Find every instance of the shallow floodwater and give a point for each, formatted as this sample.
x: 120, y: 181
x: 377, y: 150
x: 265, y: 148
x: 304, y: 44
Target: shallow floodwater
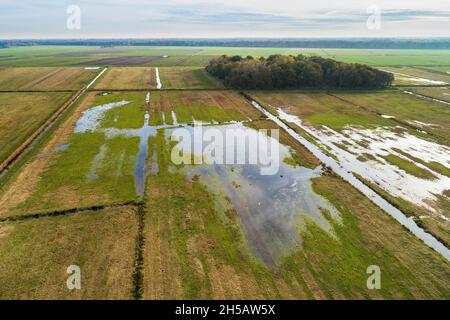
x: 427, y: 98
x: 407, y: 77
x: 382, y: 142
x: 346, y: 174
x: 271, y: 209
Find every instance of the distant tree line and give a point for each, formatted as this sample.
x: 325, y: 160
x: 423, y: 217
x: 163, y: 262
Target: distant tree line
x: 355, y: 43
x: 283, y: 72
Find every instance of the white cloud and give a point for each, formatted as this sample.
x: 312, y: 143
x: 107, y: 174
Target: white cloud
x: 223, y: 18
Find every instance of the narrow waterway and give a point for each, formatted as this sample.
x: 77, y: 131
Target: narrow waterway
x: 426, y: 98
x: 350, y: 178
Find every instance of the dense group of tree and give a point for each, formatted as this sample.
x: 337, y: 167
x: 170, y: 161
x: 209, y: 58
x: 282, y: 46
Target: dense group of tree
x: 356, y: 43
x: 283, y: 72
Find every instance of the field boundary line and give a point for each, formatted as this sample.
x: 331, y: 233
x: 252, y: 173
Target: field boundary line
x: 64, y: 212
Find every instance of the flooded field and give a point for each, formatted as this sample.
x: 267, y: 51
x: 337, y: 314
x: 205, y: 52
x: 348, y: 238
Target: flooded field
x: 365, y: 152
x: 188, y: 78
x: 441, y: 94
x: 27, y: 111
x: 92, y: 169
x: 345, y: 173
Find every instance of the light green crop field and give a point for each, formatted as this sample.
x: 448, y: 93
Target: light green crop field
x: 220, y: 106
x: 127, y: 78
x: 23, y: 113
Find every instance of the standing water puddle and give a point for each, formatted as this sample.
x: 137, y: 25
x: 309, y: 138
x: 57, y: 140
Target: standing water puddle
x: 350, y: 178
x: 271, y: 209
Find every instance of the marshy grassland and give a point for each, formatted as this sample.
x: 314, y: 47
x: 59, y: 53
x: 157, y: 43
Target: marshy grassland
x: 99, y: 189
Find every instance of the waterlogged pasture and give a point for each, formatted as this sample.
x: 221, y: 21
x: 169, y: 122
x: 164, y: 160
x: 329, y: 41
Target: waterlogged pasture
x: 440, y: 93
x: 190, y: 106
x: 91, y: 168
x: 127, y: 78
x: 23, y: 113
x: 417, y: 76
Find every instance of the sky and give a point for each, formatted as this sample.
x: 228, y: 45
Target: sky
x: 223, y: 18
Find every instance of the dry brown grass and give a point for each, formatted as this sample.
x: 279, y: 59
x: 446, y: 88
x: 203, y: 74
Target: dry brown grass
x: 35, y: 254
x: 21, y: 114
x: 128, y: 78
x: 26, y: 180
x: 45, y: 78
